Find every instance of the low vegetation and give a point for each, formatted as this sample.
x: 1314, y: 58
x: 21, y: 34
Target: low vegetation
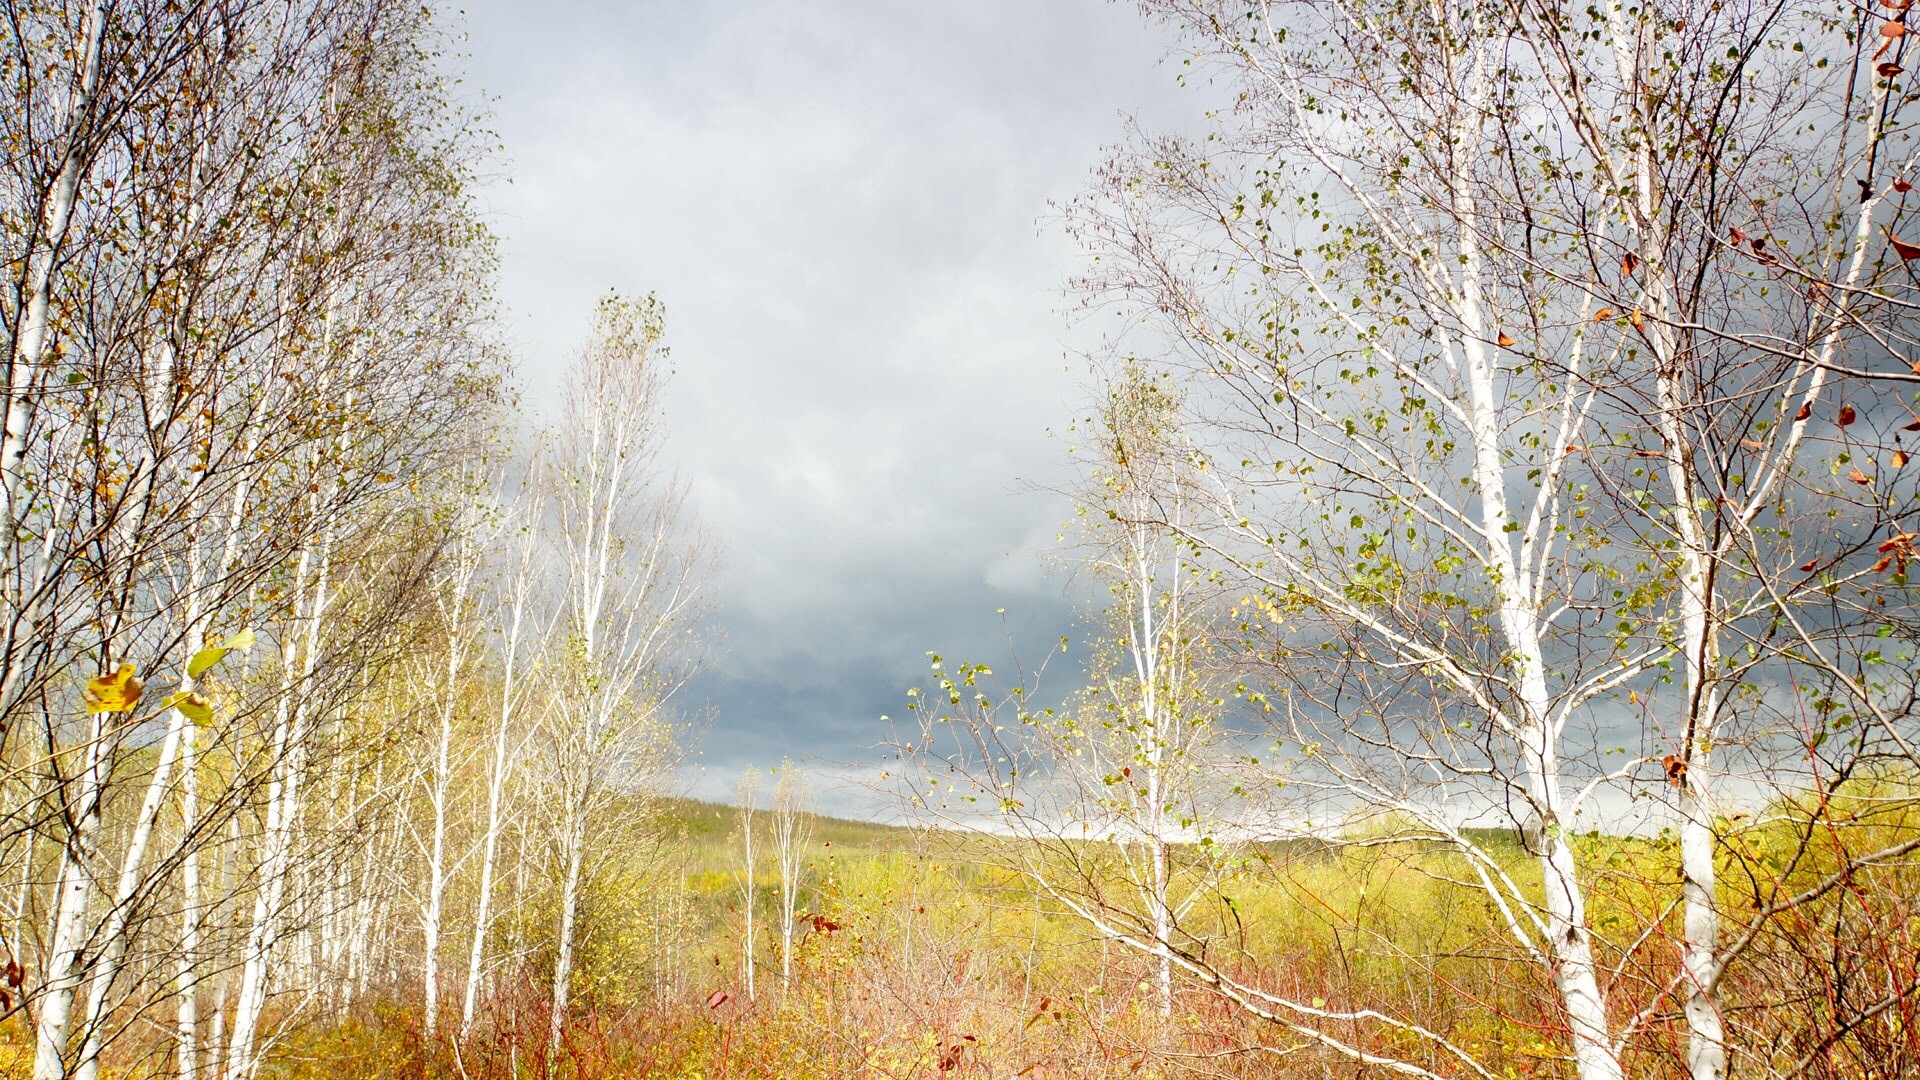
x: 920, y: 954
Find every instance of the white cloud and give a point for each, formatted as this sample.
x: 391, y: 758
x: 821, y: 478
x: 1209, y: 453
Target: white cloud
x: 838, y: 202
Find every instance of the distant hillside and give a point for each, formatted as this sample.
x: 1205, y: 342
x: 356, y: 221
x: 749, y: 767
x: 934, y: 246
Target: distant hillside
x: 712, y: 832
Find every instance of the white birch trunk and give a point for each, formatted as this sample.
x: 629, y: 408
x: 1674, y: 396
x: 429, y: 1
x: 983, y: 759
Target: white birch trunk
x: 262, y: 930
x: 65, y: 960
x: 113, y: 934
x: 187, y: 1024
x: 1574, y: 971
x: 217, y: 1027
x: 30, y: 347
x: 789, y: 891
x: 791, y: 834
x: 569, y: 907
x: 749, y: 791
x: 1147, y: 665
x: 437, y: 848
x: 1699, y: 633
x: 490, y: 842
x: 283, y: 808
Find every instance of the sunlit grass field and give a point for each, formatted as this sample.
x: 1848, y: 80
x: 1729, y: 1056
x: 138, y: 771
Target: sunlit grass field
x: 933, y: 955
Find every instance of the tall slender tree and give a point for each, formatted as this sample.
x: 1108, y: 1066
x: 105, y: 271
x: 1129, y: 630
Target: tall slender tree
x: 746, y: 797
x: 792, y: 828
x: 634, y: 587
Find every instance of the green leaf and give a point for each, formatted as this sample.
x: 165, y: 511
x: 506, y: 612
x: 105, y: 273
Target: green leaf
x: 206, y: 658
x: 203, y: 660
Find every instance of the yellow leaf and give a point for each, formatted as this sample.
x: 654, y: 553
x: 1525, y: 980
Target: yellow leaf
x: 118, y: 692
x: 191, y: 705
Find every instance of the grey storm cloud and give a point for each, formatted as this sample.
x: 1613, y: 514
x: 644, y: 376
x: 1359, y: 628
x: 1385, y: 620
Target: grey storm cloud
x: 844, y: 207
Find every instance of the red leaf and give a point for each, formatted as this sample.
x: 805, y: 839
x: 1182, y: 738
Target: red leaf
x: 1629, y: 264
x: 1603, y: 314
x: 1736, y: 235
x: 1806, y: 410
x: 1892, y: 29
x: 718, y: 998
x: 1858, y: 477
x: 1902, y: 186
x: 1887, y: 69
x: 1808, y: 568
x: 1846, y: 415
x: 1915, y: 426
x: 1884, y: 562
x: 1505, y: 340
x: 1899, y: 459
x: 1907, y: 252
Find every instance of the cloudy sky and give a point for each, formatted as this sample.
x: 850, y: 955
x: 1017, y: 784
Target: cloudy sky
x: 844, y: 205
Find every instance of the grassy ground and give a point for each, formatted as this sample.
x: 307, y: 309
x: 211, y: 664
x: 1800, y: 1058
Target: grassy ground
x: 934, y: 957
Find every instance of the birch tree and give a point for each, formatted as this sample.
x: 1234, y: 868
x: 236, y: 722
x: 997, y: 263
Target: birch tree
x: 1745, y: 340
x: 456, y: 599
x: 1446, y: 284
x: 792, y: 829
x: 1141, y: 757
x: 633, y: 571
x: 213, y: 395
x: 1390, y: 478
x: 747, y: 795
x: 521, y: 626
